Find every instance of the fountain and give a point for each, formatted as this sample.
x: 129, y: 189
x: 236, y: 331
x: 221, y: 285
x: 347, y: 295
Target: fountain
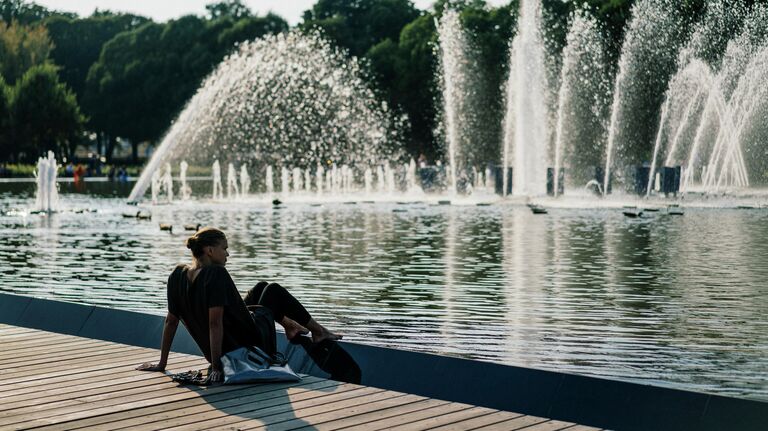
x: 582, y: 102
x: 167, y: 182
x: 185, y: 189
x: 270, y: 181
x: 526, y: 120
x: 47, y: 199
x: 218, y: 190
x: 232, y: 188
x: 284, y: 100
x: 245, y: 182
x: 651, y: 43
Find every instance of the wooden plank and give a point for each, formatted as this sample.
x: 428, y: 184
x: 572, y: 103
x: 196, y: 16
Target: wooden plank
x: 44, y: 392
x: 480, y: 421
x: 583, y: 428
x: 251, y: 397
x: 104, y: 361
x: 48, y: 349
x: 321, y: 421
x: 433, y: 422
x: 550, y: 425
x: 52, y: 395
x: 72, y: 369
x: 390, y: 422
x: 302, y: 415
x: 15, y: 330
x: 284, y: 409
x: 515, y: 424
x: 171, y: 408
x: 79, y: 356
x: 108, y: 403
x: 66, y: 379
x: 377, y: 415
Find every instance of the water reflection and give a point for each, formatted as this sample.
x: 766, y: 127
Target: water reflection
x: 677, y: 301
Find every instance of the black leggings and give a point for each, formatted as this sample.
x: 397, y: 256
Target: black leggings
x: 279, y: 301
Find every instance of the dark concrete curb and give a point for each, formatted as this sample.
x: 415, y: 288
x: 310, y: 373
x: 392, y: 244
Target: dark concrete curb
x: 585, y: 400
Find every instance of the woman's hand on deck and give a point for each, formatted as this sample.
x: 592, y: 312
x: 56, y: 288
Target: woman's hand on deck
x: 147, y: 366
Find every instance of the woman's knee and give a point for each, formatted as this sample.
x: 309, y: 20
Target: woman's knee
x: 253, y: 295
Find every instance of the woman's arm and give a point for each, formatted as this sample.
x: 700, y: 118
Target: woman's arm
x: 169, y: 331
x: 216, y: 334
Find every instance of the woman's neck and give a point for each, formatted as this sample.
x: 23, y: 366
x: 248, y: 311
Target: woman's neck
x: 199, y: 262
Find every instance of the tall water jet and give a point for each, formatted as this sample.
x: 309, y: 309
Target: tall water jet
x: 155, y: 191
x: 285, y: 181
x: 583, y: 102
x: 284, y: 100
x: 298, y: 178
x: 218, y: 190
x: 245, y: 182
x: 526, y: 118
x: 185, y: 189
x: 167, y: 182
x: 47, y: 198
x: 368, y: 180
x: 651, y: 43
x: 307, y: 180
x: 319, y: 178
x: 270, y: 180
x: 455, y: 61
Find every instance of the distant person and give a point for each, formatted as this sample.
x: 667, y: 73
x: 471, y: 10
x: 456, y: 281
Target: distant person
x: 111, y: 173
x: 69, y: 170
x: 422, y: 160
x: 203, y: 296
x: 122, y: 174
x: 79, y: 172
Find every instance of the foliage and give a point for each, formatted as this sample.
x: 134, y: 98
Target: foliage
x: 44, y: 113
x: 5, y: 119
x: 358, y: 25
x: 78, y: 42
x: 25, y: 13
x: 234, y: 9
x: 22, y: 47
x: 144, y: 77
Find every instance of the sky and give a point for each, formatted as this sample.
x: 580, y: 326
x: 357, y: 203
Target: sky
x: 162, y: 10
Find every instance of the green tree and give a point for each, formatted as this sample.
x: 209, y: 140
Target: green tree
x: 405, y: 72
x: 250, y: 28
x: 359, y: 25
x: 45, y: 115
x: 5, y: 121
x: 144, y: 77
x: 25, y: 13
x: 229, y: 8
x: 78, y: 42
x: 22, y: 47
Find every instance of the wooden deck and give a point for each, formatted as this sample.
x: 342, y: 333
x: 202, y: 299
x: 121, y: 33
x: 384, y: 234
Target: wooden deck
x: 51, y: 381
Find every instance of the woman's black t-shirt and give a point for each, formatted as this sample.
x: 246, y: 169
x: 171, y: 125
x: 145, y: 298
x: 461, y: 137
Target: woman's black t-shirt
x: 213, y: 287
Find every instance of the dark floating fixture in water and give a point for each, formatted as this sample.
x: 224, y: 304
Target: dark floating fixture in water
x: 350, y: 203
x: 633, y: 214
x: 166, y: 227
x: 276, y: 202
x: 443, y: 202
x: 537, y: 209
x: 143, y: 216
x: 651, y: 210
x: 483, y: 204
x: 193, y: 227
x: 675, y: 210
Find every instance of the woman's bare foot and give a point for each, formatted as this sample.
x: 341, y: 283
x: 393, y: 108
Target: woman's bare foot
x: 292, y: 328
x: 321, y: 333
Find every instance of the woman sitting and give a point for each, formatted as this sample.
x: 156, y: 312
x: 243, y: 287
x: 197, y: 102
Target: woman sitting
x: 203, y: 296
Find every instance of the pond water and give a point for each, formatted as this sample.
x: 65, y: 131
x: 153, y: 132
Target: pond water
x: 678, y: 301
